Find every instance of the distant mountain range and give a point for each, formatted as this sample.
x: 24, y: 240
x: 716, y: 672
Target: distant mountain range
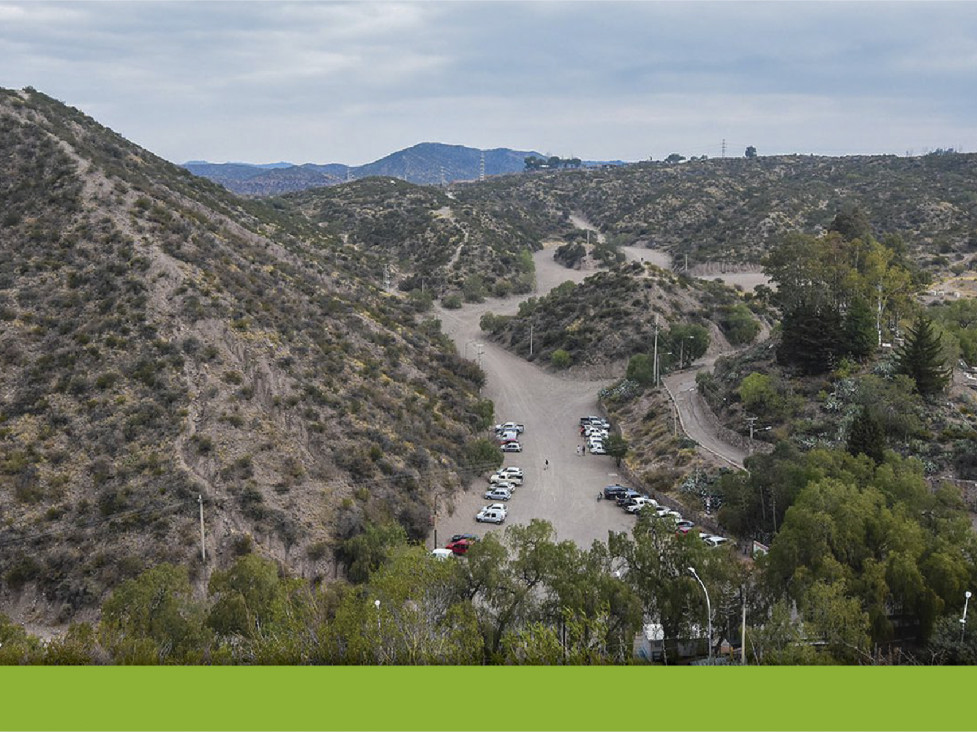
x: 428, y: 163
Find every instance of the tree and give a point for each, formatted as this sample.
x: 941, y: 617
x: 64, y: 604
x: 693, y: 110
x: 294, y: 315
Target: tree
x: 921, y: 358
x: 851, y: 223
x: 617, y: 448
x: 154, y: 619
x: 866, y: 436
x: 738, y: 324
x: 641, y: 369
x: 750, y: 151
x: 811, y: 336
x: 674, y: 158
x: 686, y: 342
x: 859, y: 328
x: 246, y: 595
x: 758, y: 394
x: 365, y: 553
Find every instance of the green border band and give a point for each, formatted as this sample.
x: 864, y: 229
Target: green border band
x: 479, y: 698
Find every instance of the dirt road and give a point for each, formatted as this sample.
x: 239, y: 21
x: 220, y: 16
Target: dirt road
x: 549, y: 405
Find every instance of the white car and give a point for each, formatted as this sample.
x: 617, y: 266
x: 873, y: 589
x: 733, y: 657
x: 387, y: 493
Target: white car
x: 498, y: 494
x: 500, y: 477
x: 496, y: 507
x: 509, y: 427
x: 441, y: 553
x: 511, y: 447
x: 508, y: 436
x: 511, y: 470
x: 713, y: 541
x: 666, y: 512
x: 489, y: 516
x: 639, y: 503
x: 596, y: 448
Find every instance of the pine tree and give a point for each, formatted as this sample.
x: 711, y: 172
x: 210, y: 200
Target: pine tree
x: 921, y: 358
x: 812, y: 338
x: 867, y: 436
x: 860, y: 333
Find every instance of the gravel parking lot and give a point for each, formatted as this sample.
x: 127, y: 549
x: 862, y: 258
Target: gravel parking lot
x: 550, y: 406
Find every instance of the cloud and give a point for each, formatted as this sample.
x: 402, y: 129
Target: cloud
x: 353, y: 81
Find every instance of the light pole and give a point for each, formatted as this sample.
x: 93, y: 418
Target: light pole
x: 376, y: 604
x: 963, y: 620
x: 708, y: 611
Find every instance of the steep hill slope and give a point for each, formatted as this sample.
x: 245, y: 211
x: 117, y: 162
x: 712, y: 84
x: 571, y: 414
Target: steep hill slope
x: 430, y: 241
x: 161, y: 340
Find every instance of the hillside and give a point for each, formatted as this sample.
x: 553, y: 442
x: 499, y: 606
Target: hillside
x: 163, y: 339
x: 732, y: 210
x: 432, y: 244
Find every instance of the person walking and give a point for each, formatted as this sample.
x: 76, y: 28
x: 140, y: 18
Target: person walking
x: 546, y: 465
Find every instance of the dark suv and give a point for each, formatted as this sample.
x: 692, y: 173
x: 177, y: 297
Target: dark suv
x: 613, y: 491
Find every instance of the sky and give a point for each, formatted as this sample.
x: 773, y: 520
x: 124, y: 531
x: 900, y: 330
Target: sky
x: 350, y: 82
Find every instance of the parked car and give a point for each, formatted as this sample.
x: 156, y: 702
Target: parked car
x: 501, y: 507
x: 458, y: 537
x: 624, y: 498
x: 490, y: 516
x: 666, y: 512
x: 442, y: 553
x: 510, y: 426
x: 684, y: 526
x: 613, y: 491
x: 511, y: 447
x: 714, y: 541
x: 500, y: 477
x: 507, y: 484
x: 498, y: 494
x: 636, y: 504
x: 508, y: 436
x: 597, y: 448
x: 458, y: 547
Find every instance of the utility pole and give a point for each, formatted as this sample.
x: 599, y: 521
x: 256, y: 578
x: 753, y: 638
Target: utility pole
x: 203, y: 545
x: 708, y: 612
x: 752, y: 421
x: 724, y: 148
x: 743, y: 629
x: 481, y: 167
x: 656, y: 351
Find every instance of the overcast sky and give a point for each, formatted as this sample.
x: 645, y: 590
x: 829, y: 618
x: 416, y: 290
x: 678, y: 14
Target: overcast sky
x: 350, y: 82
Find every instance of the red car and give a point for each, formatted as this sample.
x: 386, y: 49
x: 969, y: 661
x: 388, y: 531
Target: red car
x: 459, y: 547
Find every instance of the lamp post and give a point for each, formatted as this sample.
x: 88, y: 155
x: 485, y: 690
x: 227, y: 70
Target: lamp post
x: 376, y: 604
x: 963, y: 620
x: 708, y: 612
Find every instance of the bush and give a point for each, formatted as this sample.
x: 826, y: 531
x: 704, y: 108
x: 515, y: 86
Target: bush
x: 560, y: 359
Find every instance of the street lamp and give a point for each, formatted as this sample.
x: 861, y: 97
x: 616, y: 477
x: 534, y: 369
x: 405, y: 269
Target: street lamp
x: 963, y: 620
x: 708, y: 611
x: 376, y: 604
